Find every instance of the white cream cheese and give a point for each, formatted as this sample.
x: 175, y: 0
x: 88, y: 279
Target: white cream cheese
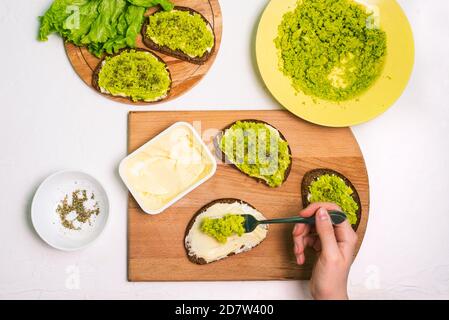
x: 166, y: 167
x: 206, y: 247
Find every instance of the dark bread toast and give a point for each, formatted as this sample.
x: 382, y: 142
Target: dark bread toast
x: 221, y: 155
x: 177, y: 53
x: 192, y: 257
x: 312, y: 175
x: 95, y: 75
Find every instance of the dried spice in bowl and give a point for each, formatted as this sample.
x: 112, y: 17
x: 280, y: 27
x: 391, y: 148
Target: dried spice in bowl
x: 78, y: 210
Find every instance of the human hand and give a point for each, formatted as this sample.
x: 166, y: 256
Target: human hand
x: 336, y: 246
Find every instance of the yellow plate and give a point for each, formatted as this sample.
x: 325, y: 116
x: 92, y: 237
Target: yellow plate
x: 384, y: 92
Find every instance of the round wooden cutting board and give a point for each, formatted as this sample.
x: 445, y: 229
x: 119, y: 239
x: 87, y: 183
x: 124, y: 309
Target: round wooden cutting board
x: 185, y: 75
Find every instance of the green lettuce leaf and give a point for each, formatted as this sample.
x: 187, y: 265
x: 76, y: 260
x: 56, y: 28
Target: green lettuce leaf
x: 128, y: 27
x: 134, y: 19
x: 100, y: 25
x: 165, y: 4
x: 78, y: 29
x: 104, y: 26
x: 55, y: 17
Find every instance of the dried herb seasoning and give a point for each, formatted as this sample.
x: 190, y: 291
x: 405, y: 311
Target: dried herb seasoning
x: 75, y: 212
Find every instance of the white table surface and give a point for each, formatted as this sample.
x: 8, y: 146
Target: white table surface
x: 50, y: 120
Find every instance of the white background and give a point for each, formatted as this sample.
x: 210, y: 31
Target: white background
x: 50, y: 120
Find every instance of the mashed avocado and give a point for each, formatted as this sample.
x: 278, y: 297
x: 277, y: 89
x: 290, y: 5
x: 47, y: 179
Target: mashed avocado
x: 330, y: 188
x: 181, y: 30
x: 222, y: 228
x: 329, y: 49
x: 257, y: 150
x: 138, y: 75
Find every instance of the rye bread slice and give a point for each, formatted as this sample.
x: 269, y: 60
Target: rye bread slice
x: 222, y: 156
x: 192, y: 257
x: 313, y: 175
x: 177, y: 53
x: 95, y: 75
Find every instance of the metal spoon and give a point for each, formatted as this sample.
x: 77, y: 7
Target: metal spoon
x: 251, y: 223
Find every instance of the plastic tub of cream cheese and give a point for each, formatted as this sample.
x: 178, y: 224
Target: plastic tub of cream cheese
x: 167, y: 167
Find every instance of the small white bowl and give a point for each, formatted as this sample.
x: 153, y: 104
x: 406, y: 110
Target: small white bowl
x: 46, y: 220
x: 205, y: 149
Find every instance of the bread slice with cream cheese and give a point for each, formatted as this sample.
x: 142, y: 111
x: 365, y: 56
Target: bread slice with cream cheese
x: 203, y: 249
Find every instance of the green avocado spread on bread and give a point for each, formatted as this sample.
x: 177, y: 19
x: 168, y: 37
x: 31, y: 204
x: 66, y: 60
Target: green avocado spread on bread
x: 222, y: 228
x: 181, y: 31
x: 331, y: 49
x: 330, y: 188
x: 138, y: 75
x: 258, y: 150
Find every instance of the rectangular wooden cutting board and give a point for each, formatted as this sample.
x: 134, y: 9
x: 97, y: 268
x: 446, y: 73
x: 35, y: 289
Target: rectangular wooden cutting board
x: 156, y: 243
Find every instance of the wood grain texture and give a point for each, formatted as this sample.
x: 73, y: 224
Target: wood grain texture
x: 156, y: 243
x: 185, y: 75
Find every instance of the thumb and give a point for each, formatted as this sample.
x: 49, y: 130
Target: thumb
x: 326, y: 233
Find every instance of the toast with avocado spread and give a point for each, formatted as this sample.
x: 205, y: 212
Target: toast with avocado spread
x: 202, y: 248
x: 257, y: 149
x: 136, y: 74
x: 326, y: 185
x: 182, y: 33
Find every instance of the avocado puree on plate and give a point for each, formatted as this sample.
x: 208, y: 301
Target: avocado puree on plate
x: 331, y: 49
